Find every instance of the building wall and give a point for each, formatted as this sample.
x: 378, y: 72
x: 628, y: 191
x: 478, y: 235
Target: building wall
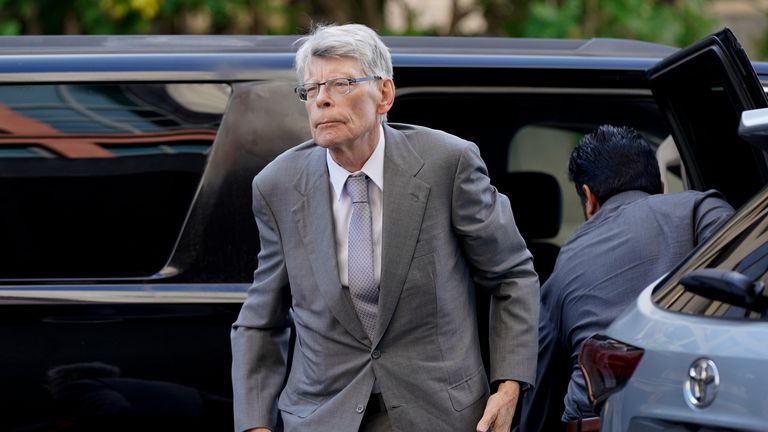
x: 747, y: 19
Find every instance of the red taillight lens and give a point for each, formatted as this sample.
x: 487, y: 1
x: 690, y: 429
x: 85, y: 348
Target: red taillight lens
x: 607, y: 365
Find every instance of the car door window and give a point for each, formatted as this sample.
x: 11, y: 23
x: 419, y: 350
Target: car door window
x: 522, y: 130
x: 741, y: 246
x: 702, y: 90
x: 97, y: 179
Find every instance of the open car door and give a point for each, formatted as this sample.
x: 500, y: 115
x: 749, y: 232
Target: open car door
x: 703, y: 89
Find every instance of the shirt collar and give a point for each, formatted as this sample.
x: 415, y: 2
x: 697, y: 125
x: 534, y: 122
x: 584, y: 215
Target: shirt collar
x: 373, y: 168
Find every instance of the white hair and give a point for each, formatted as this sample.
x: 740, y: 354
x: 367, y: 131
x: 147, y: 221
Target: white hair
x: 355, y: 41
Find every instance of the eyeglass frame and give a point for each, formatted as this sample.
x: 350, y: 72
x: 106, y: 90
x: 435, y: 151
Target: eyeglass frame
x: 349, y: 81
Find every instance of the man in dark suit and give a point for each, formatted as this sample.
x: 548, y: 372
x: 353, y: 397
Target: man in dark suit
x: 373, y: 239
x: 633, y: 235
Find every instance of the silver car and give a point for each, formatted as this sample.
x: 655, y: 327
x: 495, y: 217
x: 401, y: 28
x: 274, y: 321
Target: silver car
x: 691, y: 354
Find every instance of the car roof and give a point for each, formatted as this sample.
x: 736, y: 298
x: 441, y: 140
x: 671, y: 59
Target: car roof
x: 158, y: 44
x: 239, y: 53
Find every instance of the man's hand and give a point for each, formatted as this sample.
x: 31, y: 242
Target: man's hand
x: 259, y: 430
x: 500, y: 408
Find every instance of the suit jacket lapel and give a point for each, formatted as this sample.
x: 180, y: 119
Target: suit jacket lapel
x: 314, y: 218
x: 405, y: 200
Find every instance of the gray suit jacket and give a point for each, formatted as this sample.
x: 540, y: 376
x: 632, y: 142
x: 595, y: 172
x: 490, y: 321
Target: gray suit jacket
x: 445, y: 229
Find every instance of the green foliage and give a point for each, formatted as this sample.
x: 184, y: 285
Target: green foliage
x: 116, y: 16
x: 8, y: 27
x: 674, y: 22
x: 147, y: 16
x: 671, y: 22
x: 77, y: 16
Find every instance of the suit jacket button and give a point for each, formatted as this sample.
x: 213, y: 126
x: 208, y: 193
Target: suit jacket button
x: 376, y: 354
x: 360, y: 408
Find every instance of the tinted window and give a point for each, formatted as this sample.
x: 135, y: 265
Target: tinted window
x: 741, y: 246
x: 96, y: 180
x: 524, y: 131
x: 547, y: 150
x: 704, y: 105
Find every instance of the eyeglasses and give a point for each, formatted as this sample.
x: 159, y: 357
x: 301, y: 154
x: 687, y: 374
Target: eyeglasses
x: 337, y: 86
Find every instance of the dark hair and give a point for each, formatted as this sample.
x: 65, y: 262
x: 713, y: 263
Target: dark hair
x: 614, y: 159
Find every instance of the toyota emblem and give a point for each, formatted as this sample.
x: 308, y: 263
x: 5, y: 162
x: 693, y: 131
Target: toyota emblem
x: 702, y: 383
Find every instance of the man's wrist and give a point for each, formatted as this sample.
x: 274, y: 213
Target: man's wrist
x: 521, y: 386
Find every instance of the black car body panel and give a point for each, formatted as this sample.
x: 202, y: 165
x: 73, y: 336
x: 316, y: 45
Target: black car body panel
x: 129, y: 240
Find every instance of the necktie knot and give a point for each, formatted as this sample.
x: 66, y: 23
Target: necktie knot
x: 357, y: 187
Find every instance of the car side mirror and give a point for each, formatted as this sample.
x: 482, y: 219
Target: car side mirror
x: 726, y: 286
x: 753, y: 127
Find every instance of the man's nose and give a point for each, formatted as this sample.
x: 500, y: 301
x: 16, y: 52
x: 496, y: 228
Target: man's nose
x: 323, y: 96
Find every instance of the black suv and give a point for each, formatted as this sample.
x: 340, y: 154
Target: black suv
x: 125, y: 170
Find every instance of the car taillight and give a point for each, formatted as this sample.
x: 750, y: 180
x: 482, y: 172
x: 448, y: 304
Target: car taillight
x: 607, y: 365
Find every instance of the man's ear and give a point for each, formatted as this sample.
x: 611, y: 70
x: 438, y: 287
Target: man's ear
x: 387, y: 96
x: 591, y: 206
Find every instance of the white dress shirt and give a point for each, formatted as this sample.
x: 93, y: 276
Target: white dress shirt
x: 342, y: 206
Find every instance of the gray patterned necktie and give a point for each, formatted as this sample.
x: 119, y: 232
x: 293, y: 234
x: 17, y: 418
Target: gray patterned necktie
x: 362, y: 281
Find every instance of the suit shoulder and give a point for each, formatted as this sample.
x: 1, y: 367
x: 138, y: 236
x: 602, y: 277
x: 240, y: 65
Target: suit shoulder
x: 684, y: 205
x: 692, y: 197
x: 286, y: 164
x: 425, y: 139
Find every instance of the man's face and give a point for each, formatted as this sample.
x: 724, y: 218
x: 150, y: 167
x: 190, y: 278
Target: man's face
x: 342, y: 120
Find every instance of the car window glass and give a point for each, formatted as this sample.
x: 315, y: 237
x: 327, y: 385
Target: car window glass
x: 670, y: 166
x: 548, y: 149
x: 96, y: 180
x: 705, y: 106
x: 520, y: 131
x: 740, y: 246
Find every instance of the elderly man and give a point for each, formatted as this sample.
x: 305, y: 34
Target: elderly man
x: 373, y: 239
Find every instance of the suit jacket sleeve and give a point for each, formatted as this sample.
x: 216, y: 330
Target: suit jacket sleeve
x: 711, y: 212
x: 482, y: 218
x: 260, y: 334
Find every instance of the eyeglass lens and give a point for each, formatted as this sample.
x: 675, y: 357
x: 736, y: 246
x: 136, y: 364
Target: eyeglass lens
x: 339, y: 86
